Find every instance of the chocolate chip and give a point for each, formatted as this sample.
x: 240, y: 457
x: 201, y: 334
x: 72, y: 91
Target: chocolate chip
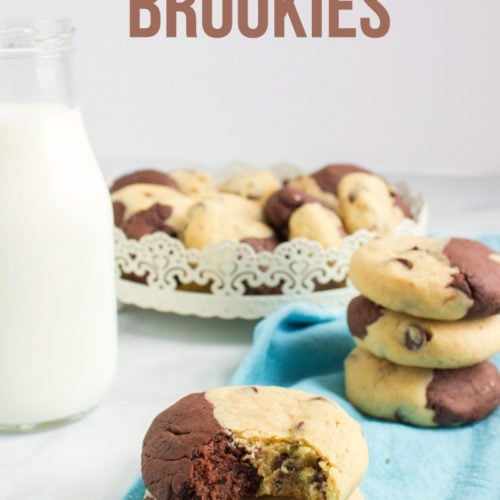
x: 318, y: 398
x: 398, y: 416
x: 300, y: 425
x: 407, y: 263
x: 416, y: 337
x: 352, y: 197
x: 278, y: 461
x: 254, y: 389
x: 319, y: 475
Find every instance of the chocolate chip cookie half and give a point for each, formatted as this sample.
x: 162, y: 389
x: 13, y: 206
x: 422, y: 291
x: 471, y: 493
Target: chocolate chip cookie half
x: 236, y: 442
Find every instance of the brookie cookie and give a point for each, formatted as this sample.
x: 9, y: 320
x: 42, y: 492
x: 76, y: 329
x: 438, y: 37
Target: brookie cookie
x: 256, y: 185
x: 367, y: 202
x: 235, y: 442
x: 295, y: 214
x: 212, y: 220
x: 363, y: 199
x: 141, y: 208
x: 411, y: 341
x: 323, y: 184
x: 421, y: 396
x: 435, y: 278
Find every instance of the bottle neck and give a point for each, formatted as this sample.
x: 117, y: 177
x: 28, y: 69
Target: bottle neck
x: 37, y: 79
x: 36, y: 61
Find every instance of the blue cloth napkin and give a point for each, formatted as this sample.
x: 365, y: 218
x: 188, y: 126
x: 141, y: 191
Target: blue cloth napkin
x: 304, y: 347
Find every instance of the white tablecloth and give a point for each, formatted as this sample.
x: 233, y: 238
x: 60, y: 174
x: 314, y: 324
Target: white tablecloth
x: 163, y: 357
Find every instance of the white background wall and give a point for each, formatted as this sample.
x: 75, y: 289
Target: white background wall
x: 427, y: 96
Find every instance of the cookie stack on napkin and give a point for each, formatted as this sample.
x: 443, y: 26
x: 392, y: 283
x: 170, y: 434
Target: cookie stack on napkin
x: 425, y: 326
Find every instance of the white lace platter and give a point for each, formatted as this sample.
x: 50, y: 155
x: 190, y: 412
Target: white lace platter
x: 168, y: 277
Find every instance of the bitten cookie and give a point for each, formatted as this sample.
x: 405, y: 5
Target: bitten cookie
x: 216, y: 218
x: 363, y: 199
x: 411, y: 341
x: 257, y: 185
x: 234, y: 442
x: 295, y: 214
x: 435, y: 278
x: 421, y: 396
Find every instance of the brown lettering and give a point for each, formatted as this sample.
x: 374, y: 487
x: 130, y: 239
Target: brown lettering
x: 335, y: 30
x: 317, y: 18
x: 383, y: 15
x: 135, y: 18
x: 283, y: 9
x: 227, y: 19
x: 186, y: 7
x: 262, y: 19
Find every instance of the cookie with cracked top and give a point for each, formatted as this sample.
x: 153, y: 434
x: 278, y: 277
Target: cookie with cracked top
x: 436, y: 278
x: 235, y: 442
x: 411, y: 341
x: 421, y: 396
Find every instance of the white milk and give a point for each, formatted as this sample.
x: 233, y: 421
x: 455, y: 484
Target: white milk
x: 57, y: 300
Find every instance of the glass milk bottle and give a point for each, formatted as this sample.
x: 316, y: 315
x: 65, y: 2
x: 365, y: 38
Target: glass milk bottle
x: 57, y: 298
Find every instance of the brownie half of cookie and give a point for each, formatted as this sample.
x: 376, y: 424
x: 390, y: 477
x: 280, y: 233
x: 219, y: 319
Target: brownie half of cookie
x: 421, y: 396
x: 282, y: 204
x: 147, y: 176
x: 143, y: 222
x: 478, y: 275
x: 329, y: 177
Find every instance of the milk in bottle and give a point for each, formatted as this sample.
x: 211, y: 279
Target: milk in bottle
x: 57, y: 300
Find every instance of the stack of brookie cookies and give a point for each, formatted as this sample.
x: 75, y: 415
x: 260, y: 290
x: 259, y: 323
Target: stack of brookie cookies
x: 425, y: 326
x: 253, y: 441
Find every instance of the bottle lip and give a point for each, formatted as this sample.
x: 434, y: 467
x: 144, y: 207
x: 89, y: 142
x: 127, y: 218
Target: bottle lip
x: 35, y: 36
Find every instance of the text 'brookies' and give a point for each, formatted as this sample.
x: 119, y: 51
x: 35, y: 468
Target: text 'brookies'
x: 256, y: 18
